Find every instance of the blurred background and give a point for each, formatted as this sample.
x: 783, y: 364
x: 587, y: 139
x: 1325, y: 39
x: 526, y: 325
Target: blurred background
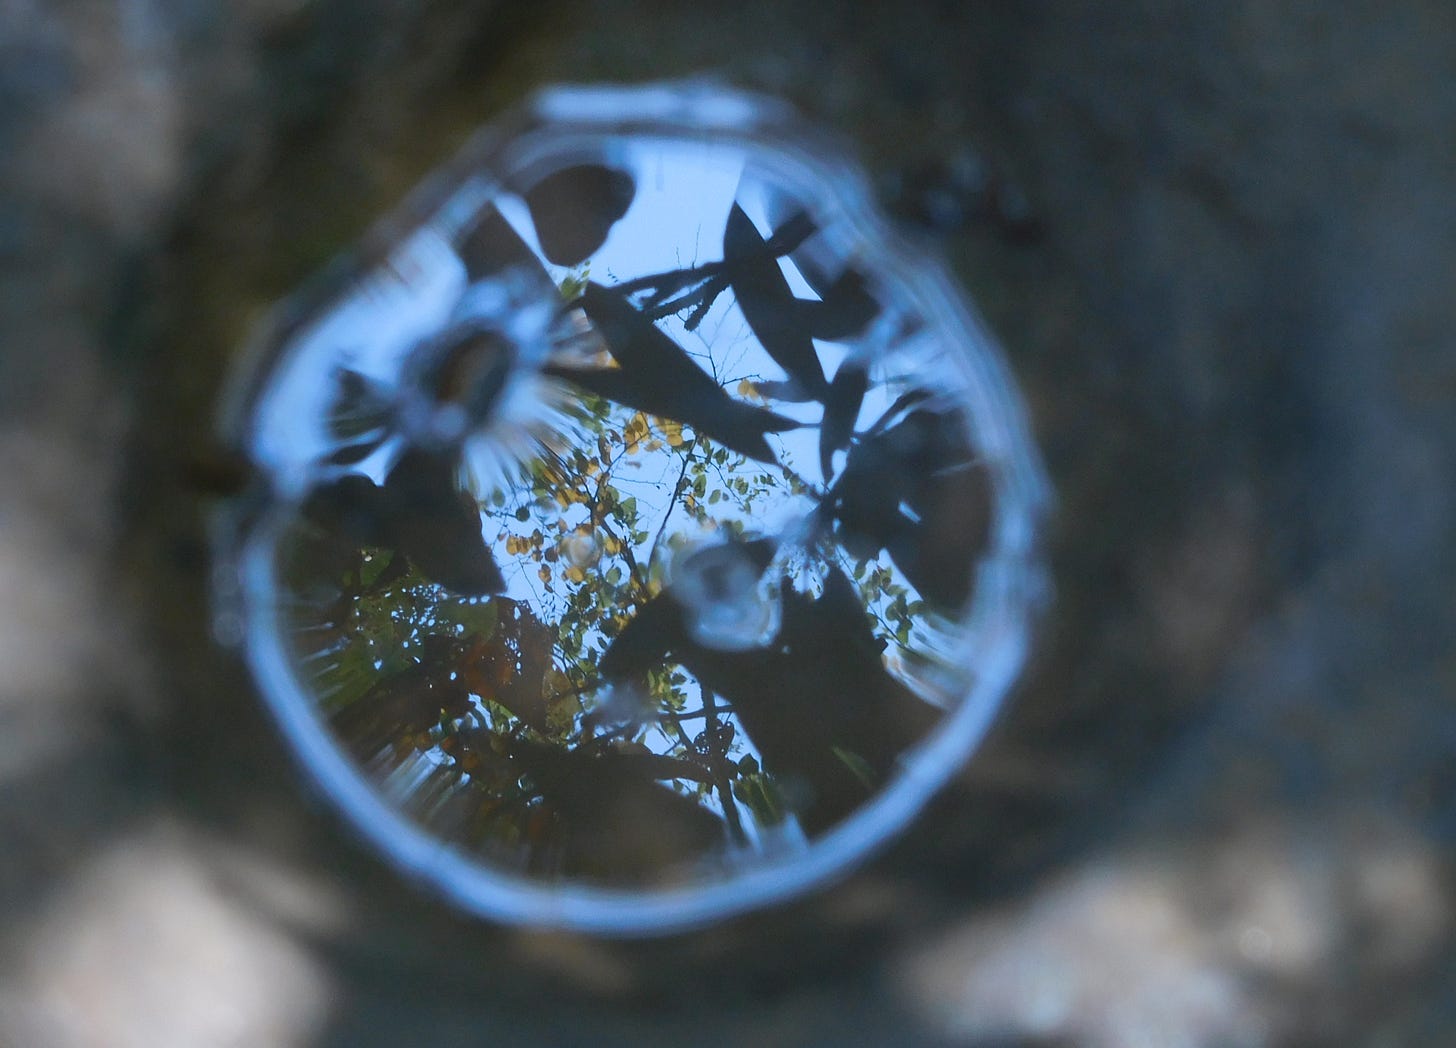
x: 1219, y: 244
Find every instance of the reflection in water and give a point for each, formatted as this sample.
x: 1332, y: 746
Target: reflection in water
x: 640, y: 528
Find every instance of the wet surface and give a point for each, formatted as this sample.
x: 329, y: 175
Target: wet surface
x: 1220, y: 808
x: 643, y: 535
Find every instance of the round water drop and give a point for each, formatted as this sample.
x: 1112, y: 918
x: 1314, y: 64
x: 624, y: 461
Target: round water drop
x: 726, y: 600
x: 649, y: 531
x: 582, y: 550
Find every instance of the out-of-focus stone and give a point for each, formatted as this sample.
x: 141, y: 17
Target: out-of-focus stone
x: 145, y: 947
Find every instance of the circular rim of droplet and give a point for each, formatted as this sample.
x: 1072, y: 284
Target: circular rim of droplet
x: 1011, y: 583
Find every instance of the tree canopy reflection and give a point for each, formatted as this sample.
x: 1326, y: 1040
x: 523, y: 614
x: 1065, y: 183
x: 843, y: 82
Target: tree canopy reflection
x: 664, y: 591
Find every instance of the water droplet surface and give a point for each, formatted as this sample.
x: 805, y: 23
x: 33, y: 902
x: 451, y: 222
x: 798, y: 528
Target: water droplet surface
x: 646, y: 532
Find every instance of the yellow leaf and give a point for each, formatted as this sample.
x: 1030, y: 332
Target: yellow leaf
x: 545, y: 573
x: 634, y: 432
x: 575, y: 574
x: 747, y: 389
x: 672, y: 431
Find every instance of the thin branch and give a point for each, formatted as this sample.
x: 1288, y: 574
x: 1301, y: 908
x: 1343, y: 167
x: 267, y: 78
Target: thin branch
x: 598, y: 518
x: 720, y: 778
x: 730, y: 810
x: 789, y: 236
x: 695, y: 714
x: 677, y: 490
